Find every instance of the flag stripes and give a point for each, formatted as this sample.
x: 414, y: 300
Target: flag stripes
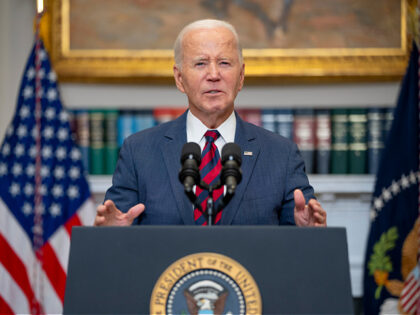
x: 18, y: 261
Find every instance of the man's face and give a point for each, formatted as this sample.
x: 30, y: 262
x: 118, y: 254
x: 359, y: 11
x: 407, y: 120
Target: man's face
x: 211, y: 73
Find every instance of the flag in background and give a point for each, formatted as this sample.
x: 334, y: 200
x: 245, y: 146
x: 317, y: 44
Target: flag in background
x: 43, y: 193
x: 391, y: 268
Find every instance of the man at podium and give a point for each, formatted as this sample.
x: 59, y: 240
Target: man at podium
x: 273, y: 189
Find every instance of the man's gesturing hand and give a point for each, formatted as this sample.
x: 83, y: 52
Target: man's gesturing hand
x: 108, y: 214
x: 310, y: 214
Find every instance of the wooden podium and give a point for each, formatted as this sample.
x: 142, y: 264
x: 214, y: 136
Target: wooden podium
x: 144, y: 269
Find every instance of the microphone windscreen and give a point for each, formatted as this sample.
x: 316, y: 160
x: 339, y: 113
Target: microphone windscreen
x: 231, y: 150
x: 191, y: 148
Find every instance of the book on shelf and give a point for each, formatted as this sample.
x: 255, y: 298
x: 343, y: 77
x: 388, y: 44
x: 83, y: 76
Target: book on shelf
x: 322, y: 141
x: 268, y: 119
x: 124, y: 126
x: 143, y: 119
x: 97, y: 145
x: 304, y: 136
x: 375, y: 142
x: 284, y: 122
x: 81, y: 125
x: 357, y: 140
x: 339, y: 141
x: 252, y: 116
x: 111, y: 141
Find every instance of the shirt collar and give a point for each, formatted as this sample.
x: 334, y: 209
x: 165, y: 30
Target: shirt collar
x: 196, y: 129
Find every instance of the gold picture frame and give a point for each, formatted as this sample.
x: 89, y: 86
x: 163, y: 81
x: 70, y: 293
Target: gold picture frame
x: 262, y: 65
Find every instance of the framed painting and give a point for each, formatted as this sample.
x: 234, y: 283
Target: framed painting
x: 282, y: 40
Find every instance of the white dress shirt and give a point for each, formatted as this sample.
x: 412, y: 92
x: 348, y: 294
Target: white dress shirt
x: 196, y: 130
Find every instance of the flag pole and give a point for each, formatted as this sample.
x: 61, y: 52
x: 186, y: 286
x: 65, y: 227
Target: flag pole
x: 38, y: 239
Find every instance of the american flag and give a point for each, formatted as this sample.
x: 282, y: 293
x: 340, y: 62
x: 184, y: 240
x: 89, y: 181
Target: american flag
x: 43, y: 193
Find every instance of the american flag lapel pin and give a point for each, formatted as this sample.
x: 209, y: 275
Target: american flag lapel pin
x: 248, y: 153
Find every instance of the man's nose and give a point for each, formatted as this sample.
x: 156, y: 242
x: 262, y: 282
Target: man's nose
x: 213, y: 72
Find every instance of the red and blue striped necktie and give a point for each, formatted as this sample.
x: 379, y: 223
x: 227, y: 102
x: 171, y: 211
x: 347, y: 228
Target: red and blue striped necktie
x: 210, y: 168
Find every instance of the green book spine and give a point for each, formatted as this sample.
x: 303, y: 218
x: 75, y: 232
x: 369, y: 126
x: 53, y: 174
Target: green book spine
x: 97, y: 146
x: 357, y: 141
x: 111, y: 141
x: 339, y: 141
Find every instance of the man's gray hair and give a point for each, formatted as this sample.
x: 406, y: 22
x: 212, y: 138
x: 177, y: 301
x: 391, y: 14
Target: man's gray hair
x: 206, y: 24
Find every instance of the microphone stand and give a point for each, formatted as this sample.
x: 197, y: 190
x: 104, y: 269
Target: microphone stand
x: 211, y: 211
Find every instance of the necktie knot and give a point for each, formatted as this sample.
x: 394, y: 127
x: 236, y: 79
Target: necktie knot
x: 211, y: 135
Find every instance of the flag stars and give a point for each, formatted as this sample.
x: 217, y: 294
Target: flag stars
x: 75, y: 154
x: 28, y: 92
x: 60, y: 153
x: 30, y: 74
x: 17, y: 169
x: 64, y: 116
x: 404, y: 182
x: 14, y: 189
x: 22, y: 131
x: 59, y: 172
x: 28, y: 190
x: 45, y: 171
x: 378, y: 203
x: 34, y: 132
x: 27, y: 209
x: 24, y: 112
x: 395, y: 188
x: 48, y: 133
x: 40, y: 93
x: 41, y: 73
x: 32, y: 151
x: 6, y: 149
x: 47, y: 152
x: 73, y: 192
x: 43, y: 190
x: 386, y: 194
x: 373, y: 214
x: 30, y: 170
x: 57, y: 191
x: 413, y: 177
x: 62, y: 134
x: 19, y: 150
x: 42, y: 54
x: 3, y: 169
x: 74, y: 172
x: 50, y: 112
x: 52, y: 94
x: 55, y: 210
x: 9, y: 131
x: 52, y: 76
x: 40, y: 209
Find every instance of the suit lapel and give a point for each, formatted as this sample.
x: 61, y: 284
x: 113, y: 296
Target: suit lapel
x: 174, y: 138
x: 246, y: 139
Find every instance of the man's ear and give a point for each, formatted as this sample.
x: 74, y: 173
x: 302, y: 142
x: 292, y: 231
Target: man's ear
x: 242, y: 77
x: 178, y: 79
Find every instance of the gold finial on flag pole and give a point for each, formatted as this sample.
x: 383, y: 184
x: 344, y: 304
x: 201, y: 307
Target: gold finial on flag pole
x: 39, y: 6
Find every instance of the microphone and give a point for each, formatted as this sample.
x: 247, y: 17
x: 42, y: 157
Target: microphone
x: 189, y: 175
x: 231, y: 174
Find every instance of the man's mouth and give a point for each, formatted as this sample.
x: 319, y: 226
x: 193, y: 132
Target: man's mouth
x: 213, y: 91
